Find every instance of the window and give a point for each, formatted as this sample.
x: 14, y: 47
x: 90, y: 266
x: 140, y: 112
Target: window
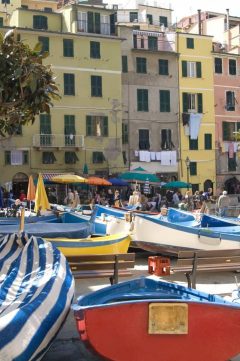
x: 48, y: 10
x: 45, y: 130
x: 230, y: 101
x: 229, y: 129
x: 164, y: 96
x: 48, y: 158
x: 44, y: 40
x: 96, y: 86
x: 133, y: 17
x: 124, y: 133
x: 5, y: 1
x: 190, y: 43
x: 207, y: 141
x: 193, y: 144
x: 124, y: 64
x: 68, y: 49
x: 69, y: 130
x: 24, y: 7
x: 93, y: 22
x: 69, y: 84
x: 142, y: 100
x: 232, y: 164
x: 96, y: 126
x: 150, y: 19
x: 152, y: 43
x: 193, y: 168
x: 141, y: 65
x: 1, y: 22
x: 40, y: 22
x: 218, y: 65
x: 144, y: 143
x: 191, y: 69
x: 98, y: 157
x: 95, y: 50
x: 16, y: 157
x: 135, y: 41
x: 166, y: 139
x: 163, y: 66
x: 232, y: 67
x: 163, y: 20
x: 192, y: 102
x: 71, y: 158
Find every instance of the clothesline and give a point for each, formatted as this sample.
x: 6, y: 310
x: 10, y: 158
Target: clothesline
x: 165, y: 157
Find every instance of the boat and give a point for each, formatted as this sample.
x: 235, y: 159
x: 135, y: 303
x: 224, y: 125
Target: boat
x: 182, y: 230
x: 36, y: 291
x: 30, y: 219
x: 149, y: 319
x: 113, y: 244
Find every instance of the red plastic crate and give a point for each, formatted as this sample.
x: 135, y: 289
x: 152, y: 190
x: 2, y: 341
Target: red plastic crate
x: 159, y: 266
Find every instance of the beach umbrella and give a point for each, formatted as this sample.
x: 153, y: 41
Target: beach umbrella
x: 68, y: 178
x: 41, y: 199
x: 146, y: 187
x: 118, y: 182
x: 31, y: 192
x: 177, y: 184
x: 97, y: 181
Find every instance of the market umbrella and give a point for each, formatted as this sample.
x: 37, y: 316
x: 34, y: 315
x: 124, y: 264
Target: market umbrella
x: 31, y: 192
x: 68, y: 178
x: 139, y: 175
x: 41, y: 199
x: 97, y: 181
x: 177, y: 184
x: 118, y: 182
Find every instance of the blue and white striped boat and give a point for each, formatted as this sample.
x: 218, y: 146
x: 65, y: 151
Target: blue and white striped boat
x: 36, y: 291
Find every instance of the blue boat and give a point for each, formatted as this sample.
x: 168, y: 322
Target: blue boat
x: 149, y: 319
x: 36, y: 291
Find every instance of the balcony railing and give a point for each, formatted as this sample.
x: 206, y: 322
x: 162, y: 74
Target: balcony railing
x: 102, y: 28
x: 58, y: 141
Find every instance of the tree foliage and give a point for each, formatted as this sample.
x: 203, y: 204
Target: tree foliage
x: 27, y: 87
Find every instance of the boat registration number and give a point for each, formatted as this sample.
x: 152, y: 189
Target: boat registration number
x: 168, y: 318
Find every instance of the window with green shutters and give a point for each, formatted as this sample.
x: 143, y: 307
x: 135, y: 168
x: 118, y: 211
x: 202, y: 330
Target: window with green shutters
x: 190, y: 43
x: 40, y: 22
x: 71, y: 158
x: 124, y: 64
x: 94, y: 25
x: 191, y: 69
x: 135, y: 41
x: 152, y: 43
x: 96, y: 86
x: 141, y: 65
x: 95, y: 50
x: 199, y: 103
x: 45, y: 130
x: 150, y: 19
x: 193, y: 168
x: 1, y: 22
x: 68, y: 48
x: 229, y: 129
x: 48, y: 158
x: 98, y: 157
x: 232, y: 67
x: 207, y: 141
x: 69, y: 129
x: 133, y: 17
x: 25, y: 157
x: 230, y: 101
x: 193, y: 144
x: 44, y: 40
x: 164, y: 96
x: 163, y: 20
x: 69, y: 84
x: 142, y: 100
x: 144, y: 143
x: 163, y: 66
x: 192, y: 101
x: 124, y: 133
x: 96, y: 126
x: 218, y: 65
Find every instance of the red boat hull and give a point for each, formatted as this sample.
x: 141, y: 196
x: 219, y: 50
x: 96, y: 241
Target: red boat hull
x: 119, y: 332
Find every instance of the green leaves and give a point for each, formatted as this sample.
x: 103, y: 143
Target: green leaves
x: 27, y: 87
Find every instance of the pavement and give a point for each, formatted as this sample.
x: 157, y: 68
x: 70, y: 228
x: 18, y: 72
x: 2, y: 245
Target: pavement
x: 68, y: 346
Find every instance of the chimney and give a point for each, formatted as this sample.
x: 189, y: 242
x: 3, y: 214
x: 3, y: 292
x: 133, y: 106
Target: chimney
x: 199, y: 23
x: 227, y: 10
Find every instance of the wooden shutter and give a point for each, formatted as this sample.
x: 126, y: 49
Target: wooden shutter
x: 185, y: 102
x: 200, y: 102
x: 184, y: 68
x: 89, y: 126
x: 199, y: 69
x: 90, y: 22
x: 105, y: 126
x: 97, y: 23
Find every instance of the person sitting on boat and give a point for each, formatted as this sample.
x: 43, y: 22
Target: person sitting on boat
x: 117, y: 200
x: 69, y: 199
x: 76, y: 199
x: 223, y: 204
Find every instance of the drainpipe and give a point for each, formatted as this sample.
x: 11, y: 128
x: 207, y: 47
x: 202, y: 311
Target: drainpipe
x: 199, y: 23
x: 228, y: 31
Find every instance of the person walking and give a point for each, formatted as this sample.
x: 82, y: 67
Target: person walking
x: 223, y: 204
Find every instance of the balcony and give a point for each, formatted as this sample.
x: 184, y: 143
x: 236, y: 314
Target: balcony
x: 49, y: 141
x: 153, y: 41
x: 102, y: 28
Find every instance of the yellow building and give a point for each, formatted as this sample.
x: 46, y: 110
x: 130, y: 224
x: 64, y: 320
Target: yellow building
x: 85, y: 126
x: 196, y: 111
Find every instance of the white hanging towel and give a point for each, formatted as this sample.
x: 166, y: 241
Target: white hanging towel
x: 173, y: 157
x: 158, y: 156
x: 142, y: 155
x: 153, y: 155
x: 194, y: 125
x: 186, y: 130
x: 147, y: 156
x: 165, y: 158
x: 136, y: 152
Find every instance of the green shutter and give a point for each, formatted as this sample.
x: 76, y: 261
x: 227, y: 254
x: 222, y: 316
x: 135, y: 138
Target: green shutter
x: 164, y: 101
x: 25, y: 157
x: 69, y: 124
x: 89, y: 127
x: 45, y: 124
x: 200, y: 102
x: 1, y: 22
x: 97, y: 23
x: 68, y: 48
x: 208, y: 141
x: 142, y: 100
x: 124, y: 64
x: 7, y: 157
x: 199, y: 69
x: 105, y: 126
x: 193, y: 168
x: 185, y: 102
x: 90, y: 21
x: 184, y: 68
x: 45, y: 43
x: 190, y: 43
x: 193, y: 144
